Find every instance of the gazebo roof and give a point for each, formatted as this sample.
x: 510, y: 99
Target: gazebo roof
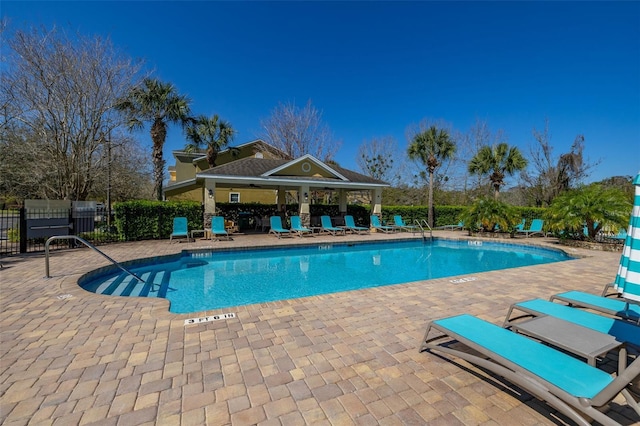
x: 273, y: 173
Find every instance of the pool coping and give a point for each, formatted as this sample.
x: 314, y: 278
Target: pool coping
x: 160, y: 307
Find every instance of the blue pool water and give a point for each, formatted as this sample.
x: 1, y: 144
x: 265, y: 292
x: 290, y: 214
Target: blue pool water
x: 198, y: 281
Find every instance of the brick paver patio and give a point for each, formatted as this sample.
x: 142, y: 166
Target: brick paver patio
x: 73, y: 357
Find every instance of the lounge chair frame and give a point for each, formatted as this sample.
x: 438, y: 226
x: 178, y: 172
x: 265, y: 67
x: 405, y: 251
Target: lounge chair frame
x: 459, y: 225
x: 327, y: 226
x: 401, y: 225
x: 180, y: 229
x: 276, y: 227
x: 218, y: 231
x: 577, y: 408
x: 616, y: 307
x: 533, y: 231
x: 623, y: 331
x: 350, y: 225
x: 298, y: 229
x: 375, y: 224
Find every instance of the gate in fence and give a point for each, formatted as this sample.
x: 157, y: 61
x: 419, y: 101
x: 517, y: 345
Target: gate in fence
x: 26, y: 229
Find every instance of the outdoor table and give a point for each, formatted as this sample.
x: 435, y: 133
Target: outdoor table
x: 573, y: 338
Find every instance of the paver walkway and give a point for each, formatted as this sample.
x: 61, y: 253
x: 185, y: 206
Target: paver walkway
x: 73, y: 357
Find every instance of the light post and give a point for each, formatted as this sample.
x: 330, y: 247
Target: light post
x: 106, y: 137
x: 109, y: 180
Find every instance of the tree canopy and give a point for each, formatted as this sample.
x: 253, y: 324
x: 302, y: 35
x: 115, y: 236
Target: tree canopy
x: 159, y: 104
x: 57, y: 96
x: 497, y: 161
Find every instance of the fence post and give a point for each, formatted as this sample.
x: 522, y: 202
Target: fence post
x: 22, y: 226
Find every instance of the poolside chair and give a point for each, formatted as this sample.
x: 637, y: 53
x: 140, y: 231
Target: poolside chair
x: 350, y: 225
x: 619, y: 238
x: 218, y: 230
x: 180, y: 229
x: 375, y: 224
x: 573, y: 387
x: 616, y: 307
x: 623, y: 331
x: 402, y: 226
x: 327, y: 226
x: 535, y: 228
x: 459, y: 225
x: 276, y: 227
x: 297, y: 228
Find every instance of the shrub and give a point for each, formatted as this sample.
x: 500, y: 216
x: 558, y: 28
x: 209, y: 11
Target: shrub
x: 583, y: 212
x: 143, y: 220
x: 487, y: 213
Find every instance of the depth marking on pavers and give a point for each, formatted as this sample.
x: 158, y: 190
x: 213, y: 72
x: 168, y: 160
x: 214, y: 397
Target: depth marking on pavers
x: 463, y: 280
x: 64, y: 296
x: 209, y: 318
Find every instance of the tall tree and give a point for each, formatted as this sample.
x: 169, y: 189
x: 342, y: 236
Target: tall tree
x: 298, y: 131
x: 431, y: 148
x: 210, y: 133
x: 378, y: 159
x: 57, y: 94
x: 497, y: 161
x: 553, y: 175
x: 160, y: 104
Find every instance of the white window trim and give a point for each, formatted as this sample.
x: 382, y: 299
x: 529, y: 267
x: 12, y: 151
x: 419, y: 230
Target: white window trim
x: 230, y: 197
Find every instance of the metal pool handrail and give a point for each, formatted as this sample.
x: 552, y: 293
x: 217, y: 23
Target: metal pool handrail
x: 423, y: 221
x: 86, y: 243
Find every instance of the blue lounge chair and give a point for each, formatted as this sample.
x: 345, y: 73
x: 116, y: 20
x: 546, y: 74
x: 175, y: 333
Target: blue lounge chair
x: 520, y: 226
x: 276, y: 227
x: 375, y: 224
x: 623, y: 331
x: 573, y: 387
x: 297, y: 228
x: 218, y: 230
x: 327, y: 226
x: 350, y: 225
x: 611, y: 306
x: 402, y: 226
x: 459, y: 225
x: 620, y: 237
x: 535, y: 228
x: 180, y: 229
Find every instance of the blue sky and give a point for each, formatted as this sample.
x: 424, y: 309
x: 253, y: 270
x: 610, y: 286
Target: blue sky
x: 374, y: 68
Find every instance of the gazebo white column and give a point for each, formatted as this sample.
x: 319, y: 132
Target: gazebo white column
x: 342, y: 202
x: 209, y: 198
x: 377, y: 202
x: 303, y: 202
x: 282, y: 201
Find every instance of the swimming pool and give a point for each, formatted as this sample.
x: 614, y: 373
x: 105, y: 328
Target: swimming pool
x: 204, y: 280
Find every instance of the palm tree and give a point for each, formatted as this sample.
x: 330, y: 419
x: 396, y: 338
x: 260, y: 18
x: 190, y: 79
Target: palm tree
x: 431, y: 148
x: 499, y: 160
x: 588, y: 208
x: 210, y: 133
x: 160, y: 104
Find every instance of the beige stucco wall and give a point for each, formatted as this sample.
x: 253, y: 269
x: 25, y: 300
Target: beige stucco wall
x: 222, y: 195
x: 247, y: 195
x: 194, y: 194
x: 184, y: 171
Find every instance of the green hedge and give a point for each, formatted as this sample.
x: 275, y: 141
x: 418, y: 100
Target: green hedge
x: 146, y: 220
x: 447, y: 215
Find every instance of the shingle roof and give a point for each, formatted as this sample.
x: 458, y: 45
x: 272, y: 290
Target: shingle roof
x: 255, y: 167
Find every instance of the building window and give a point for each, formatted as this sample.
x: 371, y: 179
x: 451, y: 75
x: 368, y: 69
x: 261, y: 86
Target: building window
x: 234, y: 197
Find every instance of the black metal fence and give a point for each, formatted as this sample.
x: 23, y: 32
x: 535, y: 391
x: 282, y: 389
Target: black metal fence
x: 26, y: 230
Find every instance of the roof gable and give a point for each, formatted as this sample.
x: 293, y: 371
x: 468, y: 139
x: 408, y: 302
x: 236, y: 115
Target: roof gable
x: 306, y: 166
